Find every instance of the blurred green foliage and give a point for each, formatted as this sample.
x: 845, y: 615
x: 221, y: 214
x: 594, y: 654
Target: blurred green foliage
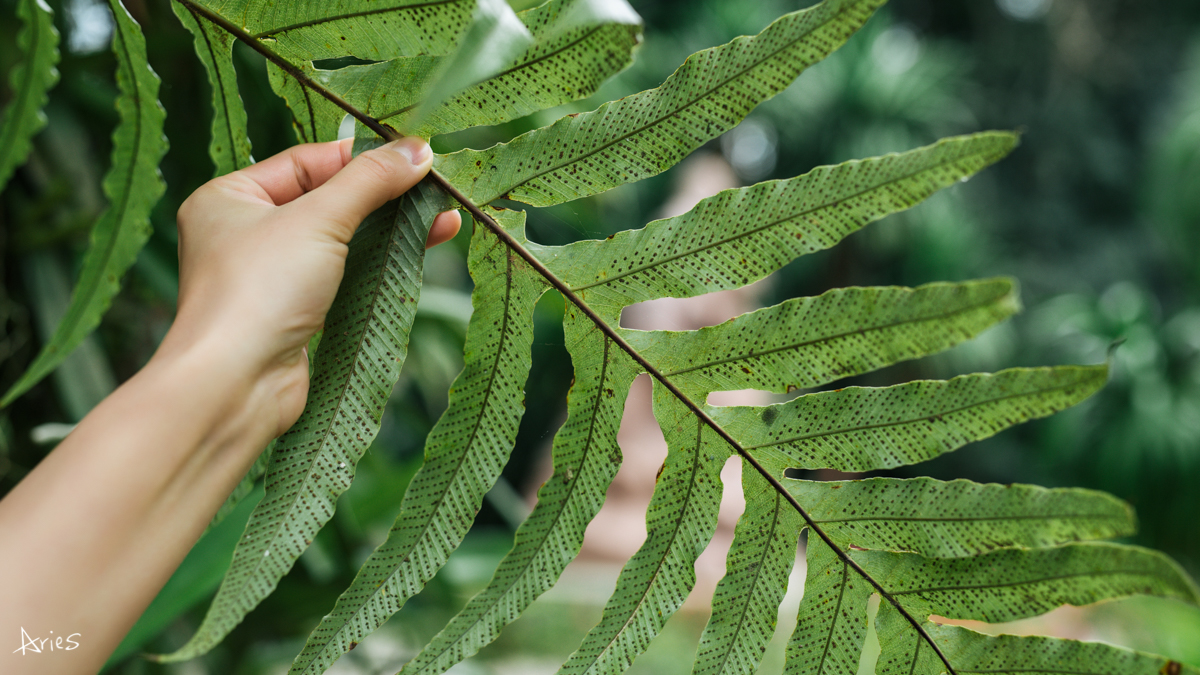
x: 1097, y: 214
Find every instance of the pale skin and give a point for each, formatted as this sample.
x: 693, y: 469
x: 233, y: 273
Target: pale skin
x: 94, y: 531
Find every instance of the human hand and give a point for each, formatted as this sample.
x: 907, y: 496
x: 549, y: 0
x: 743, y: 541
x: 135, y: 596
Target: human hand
x: 262, y: 251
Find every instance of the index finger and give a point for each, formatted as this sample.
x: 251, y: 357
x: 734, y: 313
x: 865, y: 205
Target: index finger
x: 299, y: 169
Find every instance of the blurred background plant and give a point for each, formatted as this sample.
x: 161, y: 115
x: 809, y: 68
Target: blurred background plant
x: 1097, y: 214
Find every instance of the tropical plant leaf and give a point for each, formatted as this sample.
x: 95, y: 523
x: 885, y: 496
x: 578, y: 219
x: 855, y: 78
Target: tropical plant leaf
x: 31, y: 80
x: 642, y: 135
x: 680, y: 521
x: 807, y: 342
x: 1012, y: 584
x: 904, y: 652
x: 373, y: 30
x: 230, y: 146
x: 364, y: 345
x: 958, y: 519
x: 860, y: 428
x: 464, y: 454
x: 575, y: 51
x: 956, y: 549
x: 132, y: 185
x: 832, y: 623
x: 747, y: 598
x: 586, y: 459
x: 740, y: 236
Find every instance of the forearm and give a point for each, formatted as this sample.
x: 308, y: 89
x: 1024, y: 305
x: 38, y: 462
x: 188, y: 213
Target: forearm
x: 93, y: 533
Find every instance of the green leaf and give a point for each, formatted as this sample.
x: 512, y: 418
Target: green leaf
x: 1013, y: 584
x: 575, y: 52
x: 808, y: 342
x: 960, y: 518
x: 740, y: 236
x: 495, y: 38
x: 364, y: 344
x: 642, y: 135
x: 905, y: 653
x: 463, y: 456
x: 133, y: 185
x: 31, y: 80
x: 586, y: 458
x: 747, y: 598
x: 680, y: 521
x: 832, y: 623
x: 374, y: 30
x: 860, y: 429
x: 230, y: 146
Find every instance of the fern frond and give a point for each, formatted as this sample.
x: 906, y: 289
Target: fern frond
x: 464, y: 454
x: 959, y: 518
x: 642, y: 135
x: 364, y: 345
x: 586, y: 459
x: 132, y: 185
x: 229, y: 147
x: 572, y: 56
x: 832, y: 623
x: 31, y: 79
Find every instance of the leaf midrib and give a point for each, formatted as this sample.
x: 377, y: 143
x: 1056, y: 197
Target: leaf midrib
x: 675, y: 112
x: 222, y: 97
x: 1027, y: 582
x: 904, y: 519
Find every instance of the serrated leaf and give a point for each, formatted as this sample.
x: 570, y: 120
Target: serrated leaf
x: 566, y: 63
x: 586, y: 459
x: 832, y: 623
x: 903, y: 652
x: 642, y: 135
x: 230, y: 146
x: 31, y: 79
x: 740, y: 236
x: 364, y: 344
x: 132, y: 185
x: 807, y: 342
x: 746, y: 602
x: 1013, y: 584
x: 376, y: 30
x: 862, y: 428
x: 680, y: 521
x: 464, y: 454
x: 958, y: 518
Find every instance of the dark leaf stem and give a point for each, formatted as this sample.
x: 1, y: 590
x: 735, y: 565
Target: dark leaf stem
x: 388, y: 133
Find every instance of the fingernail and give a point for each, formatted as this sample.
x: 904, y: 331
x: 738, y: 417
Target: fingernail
x: 414, y: 148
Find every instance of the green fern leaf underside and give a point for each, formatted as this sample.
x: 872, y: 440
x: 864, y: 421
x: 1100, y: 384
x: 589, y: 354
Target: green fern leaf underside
x: 958, y: 519
x: 586, y: 459
x: 904, y: 652
x: 747, y: 598
x: 740, y: 236
x: 229, y: 147
x: 464, y: 453
x: 132, y: 185
x: 365, y: 343
x: 954, y: 549
x: 565, y: 64
x: 377, y: 30
x: 32, y: 78
x: 644, y: 134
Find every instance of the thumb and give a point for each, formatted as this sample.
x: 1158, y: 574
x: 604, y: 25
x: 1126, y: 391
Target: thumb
x: 366, y: 183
